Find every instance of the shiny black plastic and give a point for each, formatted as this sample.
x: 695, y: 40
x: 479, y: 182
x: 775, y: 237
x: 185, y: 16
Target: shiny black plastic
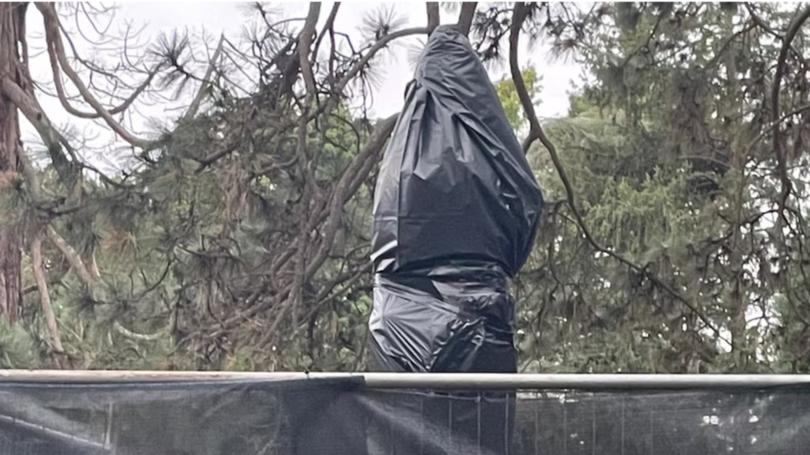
x: 455, y: 212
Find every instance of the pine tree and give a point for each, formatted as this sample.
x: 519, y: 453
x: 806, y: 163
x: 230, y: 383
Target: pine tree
x: 12, y: 26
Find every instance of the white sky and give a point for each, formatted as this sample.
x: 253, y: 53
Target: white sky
x: 231, y: 17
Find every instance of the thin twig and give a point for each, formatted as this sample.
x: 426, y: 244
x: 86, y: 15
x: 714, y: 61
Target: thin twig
x: 205, y: 83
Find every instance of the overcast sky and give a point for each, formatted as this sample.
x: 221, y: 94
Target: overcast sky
x: 231, y: 18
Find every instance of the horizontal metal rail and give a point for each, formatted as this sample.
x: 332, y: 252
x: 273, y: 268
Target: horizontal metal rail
x: 443, y: 381
x: 476, y: 381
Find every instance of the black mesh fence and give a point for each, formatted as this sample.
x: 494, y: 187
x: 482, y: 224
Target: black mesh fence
x: 341, y: 416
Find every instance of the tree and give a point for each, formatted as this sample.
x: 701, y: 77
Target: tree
x: 19, y: 95
x: 237, y: 235
x: 664, y: 253
x: 221, y: 242
x: 12, y: 27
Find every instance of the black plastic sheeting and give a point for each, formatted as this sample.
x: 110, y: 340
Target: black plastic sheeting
x: 455, y: 211
x: 335, y: 417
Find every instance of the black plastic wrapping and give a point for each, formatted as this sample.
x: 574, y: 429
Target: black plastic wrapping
x: 332, y: 417
x: 455, y: 212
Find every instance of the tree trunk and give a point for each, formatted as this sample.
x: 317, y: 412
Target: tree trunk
x: 12, y: 16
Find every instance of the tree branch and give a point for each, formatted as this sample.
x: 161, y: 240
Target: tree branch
x: 432, y: 9
x: 339, y: 196
x: 126, y: 333
x: 781, y: 159
x: 63, y: 98
x: 44, y: 297
x: 204, y: 84
x: 73, y: 257
x: 51, y: 137
x: 775, y: 124
x: 54, y: 39
x: 31, y: 180
x: 327, y: 27
x: 763, y: 25
x: 304, y: 45
x: 465, y: 18
x: 382, y: 42
x: 535, y: 130
x: 32, y: 111
x: 340, y: 192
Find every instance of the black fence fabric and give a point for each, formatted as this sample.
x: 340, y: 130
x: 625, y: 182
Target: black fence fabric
x: 325, y: 416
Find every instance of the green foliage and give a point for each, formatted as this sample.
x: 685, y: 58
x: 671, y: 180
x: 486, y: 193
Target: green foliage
x: 505, y: 88
x: 17, y: 348
x: 659, y: 147
x: 668, y: 147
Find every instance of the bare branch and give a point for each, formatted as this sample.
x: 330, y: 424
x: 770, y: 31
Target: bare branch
x: 327, y: 27
x: 432, y: 9
x: 304, y: 45
x: 63, y: 98
x: 44, y: 298
x: 763, y: 25
x: 54, y: 39
x: 331, y: 213
x: 126, y: 333
x: 535, y: 130
x: 793, y: 29
x: 73, y: 258
x: 770, y: 127
x: 381, y: 43
x: 465, y: 17
x: 341, y: 190
x: 51, y: 137
x: 32, y: 111
x: 204, y: 84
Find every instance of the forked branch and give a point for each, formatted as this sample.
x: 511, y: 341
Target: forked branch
x: 54, y: 40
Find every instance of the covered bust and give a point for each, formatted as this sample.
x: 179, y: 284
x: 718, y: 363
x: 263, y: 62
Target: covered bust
x: 455, y: 211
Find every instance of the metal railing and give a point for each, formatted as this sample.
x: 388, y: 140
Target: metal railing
x: 443, y: 381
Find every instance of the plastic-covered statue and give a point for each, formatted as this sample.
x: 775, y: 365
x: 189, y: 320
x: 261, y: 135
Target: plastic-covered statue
x: 455, y: 211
